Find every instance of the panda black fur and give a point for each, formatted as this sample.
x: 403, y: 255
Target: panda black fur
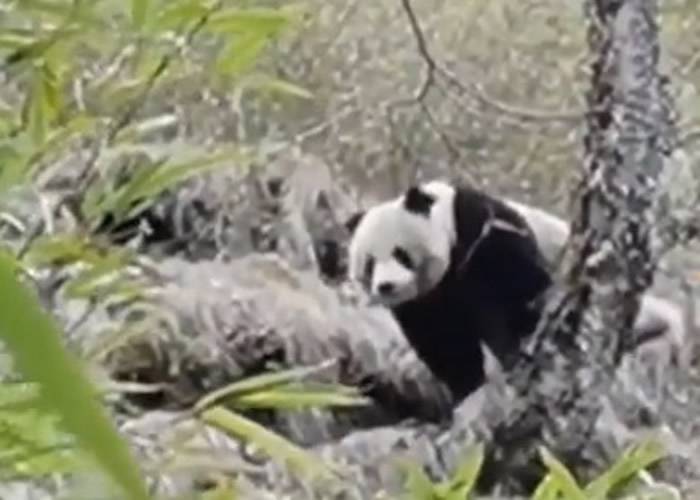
x: 458, y: 268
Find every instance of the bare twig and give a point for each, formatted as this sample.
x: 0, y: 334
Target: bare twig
x: 476, y: 90
x: 319, y: 128
x: 430, y: 64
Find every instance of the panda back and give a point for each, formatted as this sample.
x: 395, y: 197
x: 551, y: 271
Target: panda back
x: 550, y: 231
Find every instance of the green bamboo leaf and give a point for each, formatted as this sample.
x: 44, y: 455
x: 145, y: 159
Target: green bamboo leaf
x: 417, y: 484
x: 260, y: 20
x: 271, y: 443
x: 53, y: 10
x: 62, y: 250
x: 37, y: 112
x: 466, y: 474
x: 35, y: 344
x: 18, y: 396
x: 257, y: 383
x: 10, y: 40
x: 23, y: 162
x: 241, y: 54
x: 60, y: 136
x: 169, y: 174
x: 139, y: 12
x: 32, y: 442
x: 298, y: 397
x: 118, y: 203
x: 150, y: 125
x: 90, y: 282
x: 548, y: 489
x: 12, y: 166
x: 120, y: 291
x: 150, y: 181
x: 154, y: 318
x: 52, y: 45
x: 43, y: 102
x: 633, y: 461
x: 262, y: 82
x: 565, y: 482
x: 175, y: 14
x: 52, y: 90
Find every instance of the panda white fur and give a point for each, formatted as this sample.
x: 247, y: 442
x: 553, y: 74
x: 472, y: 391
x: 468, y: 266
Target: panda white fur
x: 449, y: 281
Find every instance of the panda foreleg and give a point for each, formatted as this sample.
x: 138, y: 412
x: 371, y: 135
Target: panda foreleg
x: 452, y: 352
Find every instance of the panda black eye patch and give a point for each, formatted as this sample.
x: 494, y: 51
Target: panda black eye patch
x: 403, y: 258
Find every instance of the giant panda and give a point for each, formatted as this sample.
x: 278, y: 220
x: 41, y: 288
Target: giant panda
x: 459, y: 268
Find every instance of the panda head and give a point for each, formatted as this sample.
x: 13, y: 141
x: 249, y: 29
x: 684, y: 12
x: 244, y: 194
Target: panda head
x: 400, y: 249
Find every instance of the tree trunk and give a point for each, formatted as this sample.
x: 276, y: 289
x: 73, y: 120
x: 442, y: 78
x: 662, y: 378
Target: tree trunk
x: 610, y: 260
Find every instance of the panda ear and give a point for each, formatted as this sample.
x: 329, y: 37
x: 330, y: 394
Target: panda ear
x: 417, y: 201
x: 353, y: 221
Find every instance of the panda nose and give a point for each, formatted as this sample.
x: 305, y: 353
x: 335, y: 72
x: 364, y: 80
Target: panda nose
x: 385, y: 288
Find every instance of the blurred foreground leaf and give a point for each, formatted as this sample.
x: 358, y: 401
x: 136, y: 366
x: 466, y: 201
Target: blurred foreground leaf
x: 560, y: 475
x: 548, y: 489
x: 280, y: 390
x: 633, y: 461
x: 560, y: 482
x: 457, y: 487
x: 139, y: 11
x: 265, y: 83
x: 32, y: 442
x: 34, y: 342
x: 283, y: 389
x: 418, y: 484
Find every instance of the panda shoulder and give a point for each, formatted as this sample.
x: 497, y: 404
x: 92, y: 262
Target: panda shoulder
x: 476, y: 207
x: 551, y: 232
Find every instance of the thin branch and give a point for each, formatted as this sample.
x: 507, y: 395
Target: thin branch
x: 433, y: 69
x: 422, y: 44
x: 319, y: 128
x: 477, y: 91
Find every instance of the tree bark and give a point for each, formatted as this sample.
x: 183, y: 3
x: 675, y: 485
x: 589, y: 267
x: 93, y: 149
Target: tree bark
x: 611, y: 258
